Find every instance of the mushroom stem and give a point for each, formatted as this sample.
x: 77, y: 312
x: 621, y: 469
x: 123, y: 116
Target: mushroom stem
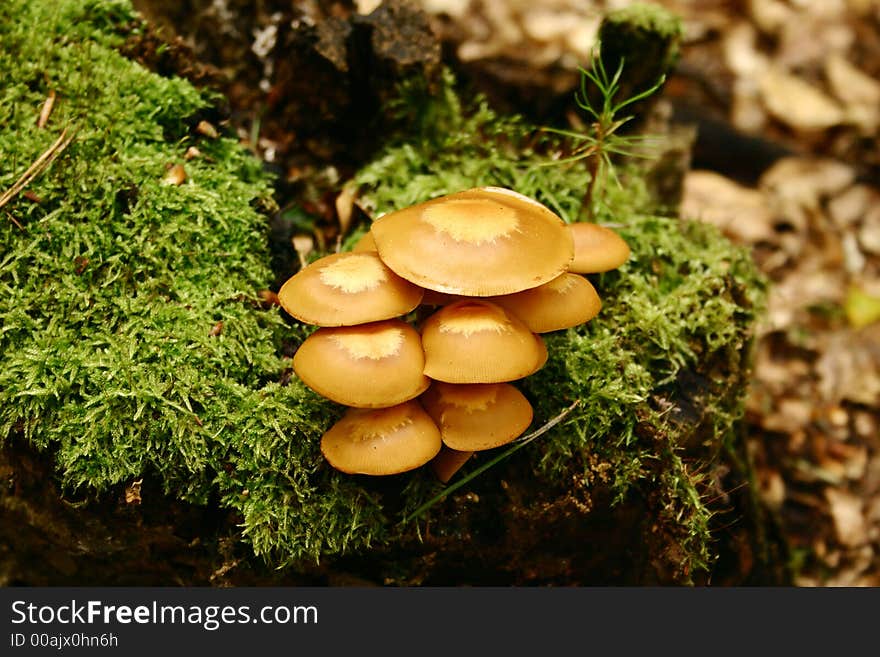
x: 448, y: 462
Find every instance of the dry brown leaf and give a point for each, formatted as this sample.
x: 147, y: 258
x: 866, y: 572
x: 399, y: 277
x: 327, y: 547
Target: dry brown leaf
x: 741, y: 53
x: 859, y: 92
x: 805, y: 181
x: 852, y: 569
x: 849, y: 367
x: 852, y: 459
x: 817, y: 31
x: 790, y: 414
x: 740, y: 212
x: 772, y: 488
x: 849, y: 206
x: 453, y: 8
x: 775, y: 370
x: 796, y: 103
x: 846, y: 512
x: 802, y: 288
x: 872, y: 515
x: 770, y: 15
x: 869, y: 232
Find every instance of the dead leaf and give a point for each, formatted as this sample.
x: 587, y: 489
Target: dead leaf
x: 859, y: 92
x: 849, y: 367
x: 845, y: 509
x: 796, y: 103
x: 770, y: 15
x: 850, y: 205
x: 805, y: 181
x: 740, y: 212
x: 806, y: 286
x: 790, y: 414
x: 869, y: 232
x: 741, y: 53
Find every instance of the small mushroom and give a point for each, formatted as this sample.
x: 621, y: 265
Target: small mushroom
x: 371, y: 365
x: 476, y: 341
x: 596, y: 248
x: 382, y: 441
x: 449, y: 461
x: 479, y: 242
x: 568, y: 300
x: 365, y: 243
x: 345, y: 289
x: 477, y: 416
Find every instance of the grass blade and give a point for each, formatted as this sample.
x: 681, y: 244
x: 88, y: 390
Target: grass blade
x: 519, y: 443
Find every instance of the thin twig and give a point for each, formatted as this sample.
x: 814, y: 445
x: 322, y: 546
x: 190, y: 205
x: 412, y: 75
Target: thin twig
x: 39, y: 165
x: 15, y: 221
x: 519, y: 443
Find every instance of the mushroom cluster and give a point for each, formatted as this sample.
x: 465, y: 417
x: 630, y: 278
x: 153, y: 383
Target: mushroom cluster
x: 487, y: 271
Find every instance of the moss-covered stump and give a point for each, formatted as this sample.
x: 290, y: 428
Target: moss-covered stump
x: 153, y: 433
x: 134, y: 345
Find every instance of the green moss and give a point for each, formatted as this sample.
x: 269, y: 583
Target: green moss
x: 111, y: 291
x: 646, y: 17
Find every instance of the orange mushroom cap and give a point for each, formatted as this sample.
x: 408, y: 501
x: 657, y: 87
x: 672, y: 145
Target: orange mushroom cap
x: 568, y: 300
x: 596, y: 248
x: 345, y: 289
x: 367, y: 366
x: 382, y: 441
x: 479, y: 242
x: 476, y: 341
x: 365, y: 243
x: 477, y: 416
